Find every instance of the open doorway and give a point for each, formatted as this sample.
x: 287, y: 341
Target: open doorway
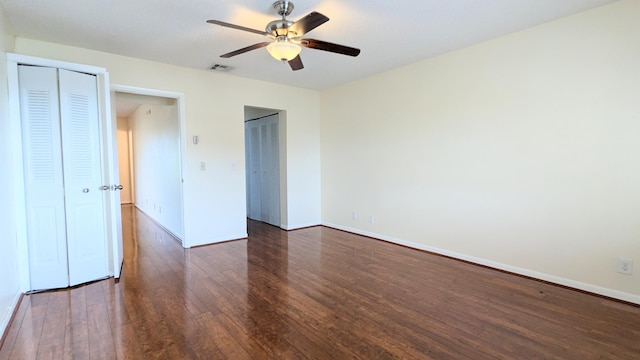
x: 265, y: 170
x: 149, y: 154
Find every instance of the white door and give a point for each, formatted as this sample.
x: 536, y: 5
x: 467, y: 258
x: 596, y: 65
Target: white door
x: 86, y: 240
x: 269, y: 164
x: 263, y: 174
x: 61, y: 151
x: 42, y: 154
x: 274, y: 170
x: 252, y: 149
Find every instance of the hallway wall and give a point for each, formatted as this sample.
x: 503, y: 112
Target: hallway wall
x: 156, y: 164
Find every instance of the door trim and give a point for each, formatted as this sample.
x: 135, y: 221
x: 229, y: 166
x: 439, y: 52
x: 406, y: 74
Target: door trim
x: 179, y: 97
x: 18, y: 175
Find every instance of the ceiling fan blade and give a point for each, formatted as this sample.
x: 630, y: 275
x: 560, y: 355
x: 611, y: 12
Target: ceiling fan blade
x: 238, y: 27
x: 327, y: 46
x: 308, y: 23
x: 245, y: 49
x: 296, y: 63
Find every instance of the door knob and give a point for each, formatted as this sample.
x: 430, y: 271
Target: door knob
x: 118, y: 187
x: 104, y: 187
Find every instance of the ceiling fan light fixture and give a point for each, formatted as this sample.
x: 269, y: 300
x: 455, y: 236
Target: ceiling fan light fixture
x: 284, y: 50
x: 286, y: 36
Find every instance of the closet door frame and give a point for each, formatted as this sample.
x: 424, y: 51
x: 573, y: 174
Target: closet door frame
x: 107, y: 133
x: 263, y: 174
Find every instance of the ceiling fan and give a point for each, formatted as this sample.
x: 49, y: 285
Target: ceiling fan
x: 287, y: 36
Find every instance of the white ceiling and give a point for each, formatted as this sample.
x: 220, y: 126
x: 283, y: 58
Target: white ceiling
x: 389, y: 33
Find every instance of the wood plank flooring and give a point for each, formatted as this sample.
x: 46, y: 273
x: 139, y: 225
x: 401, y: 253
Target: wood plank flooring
x: 314, y: 293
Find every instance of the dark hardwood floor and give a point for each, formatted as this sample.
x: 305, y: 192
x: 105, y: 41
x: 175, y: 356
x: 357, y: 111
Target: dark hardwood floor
x: 313, y: 293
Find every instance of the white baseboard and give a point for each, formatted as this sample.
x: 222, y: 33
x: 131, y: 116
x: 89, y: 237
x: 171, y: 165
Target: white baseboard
x: 299, y: 226
x: 6, y: 318
x: 616, y: 294
x: 222, y: 239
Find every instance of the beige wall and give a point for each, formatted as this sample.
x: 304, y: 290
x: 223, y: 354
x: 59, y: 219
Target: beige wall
x: 214, y: 109
x: 521, y: 152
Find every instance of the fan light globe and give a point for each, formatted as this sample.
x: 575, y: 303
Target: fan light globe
x: 283, y: 50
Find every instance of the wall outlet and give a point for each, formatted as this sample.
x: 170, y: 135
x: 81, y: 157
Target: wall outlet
x: 203, y: 166
x: 370, y: 219
x: 625, y: 266
x: 354, y: 216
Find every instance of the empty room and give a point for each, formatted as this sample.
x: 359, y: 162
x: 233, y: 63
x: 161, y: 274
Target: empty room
x: 320, y: 179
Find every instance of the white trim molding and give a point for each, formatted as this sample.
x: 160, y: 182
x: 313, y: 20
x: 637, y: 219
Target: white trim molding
x: 11, y: 310
x: 300, y: 226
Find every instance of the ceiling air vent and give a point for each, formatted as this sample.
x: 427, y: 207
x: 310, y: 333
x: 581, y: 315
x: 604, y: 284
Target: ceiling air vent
x: 221, y: 68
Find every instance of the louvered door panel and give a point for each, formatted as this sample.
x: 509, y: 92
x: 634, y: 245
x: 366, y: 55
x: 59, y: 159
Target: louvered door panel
x: 43, y: 177
x: 265, y: 175
x: 253, y: 161
x: 274, y: 170
x: 86, y: 239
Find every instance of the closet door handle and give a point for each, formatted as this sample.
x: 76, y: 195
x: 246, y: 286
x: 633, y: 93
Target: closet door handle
x: 118, y: 187
x: 104, y: 187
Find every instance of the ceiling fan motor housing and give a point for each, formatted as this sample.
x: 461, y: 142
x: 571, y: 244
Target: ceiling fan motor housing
x: 280, y: 28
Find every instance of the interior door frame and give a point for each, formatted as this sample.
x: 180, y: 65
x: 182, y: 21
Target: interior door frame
x: 114, y: 247
x: 179, y: 98
x: 282, y: 160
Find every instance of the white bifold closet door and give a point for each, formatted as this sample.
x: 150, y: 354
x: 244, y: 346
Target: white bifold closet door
x: 263, y: 169
x: 63, y: 177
